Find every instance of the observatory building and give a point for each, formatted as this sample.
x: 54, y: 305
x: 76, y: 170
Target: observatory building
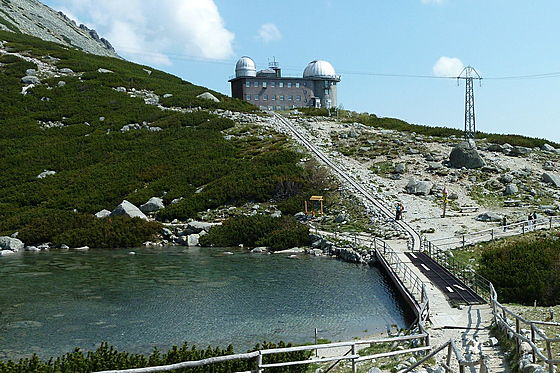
x: 269, y: 90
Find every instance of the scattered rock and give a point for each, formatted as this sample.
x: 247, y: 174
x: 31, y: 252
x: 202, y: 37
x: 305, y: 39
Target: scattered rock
x: 128, y: 209
x: 208, y: 96
x: 103, y: 214
x: 154, y: 204
x: 11, y: 244
x: 418, y: 187
x: 465, y: 155
x: 31, y: 79
x: 490, y: 217
x: 550, y: 178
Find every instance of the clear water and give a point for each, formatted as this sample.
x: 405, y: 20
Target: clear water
x: 52, y: 302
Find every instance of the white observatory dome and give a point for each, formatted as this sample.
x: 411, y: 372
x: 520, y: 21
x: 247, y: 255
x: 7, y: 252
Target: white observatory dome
x: 245, y: 67
x: 319, y: 69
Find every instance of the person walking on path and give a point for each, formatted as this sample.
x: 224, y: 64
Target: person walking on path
x: 398, y: 213
x: 504, y: 222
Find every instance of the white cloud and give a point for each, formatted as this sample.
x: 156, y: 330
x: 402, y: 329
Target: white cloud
x: 448, y: 67
x: 150, y: 29
x: 269, y: 32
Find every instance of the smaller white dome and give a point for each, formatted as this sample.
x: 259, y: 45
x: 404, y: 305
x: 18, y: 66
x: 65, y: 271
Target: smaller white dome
x: 245, y: 67
x: 319, y: 69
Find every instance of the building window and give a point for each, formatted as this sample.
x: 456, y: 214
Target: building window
x: 264, y: 84
x: 290, y: 98
x: 281, y: 84
x: 265, y: 97
x: 304, y: 91
x: 281, y: 97
x: 256, y: 97
x: 326, y: 84
x: 297, y: 85
x: 273, y: 84
x: 256, y: 84
x: 273, y: 97
x: 298, y: 98
x: 326, y: 91
x: 248, y: 97
x: 305, y: 100
x: 290, y: 85
x: 247, y: 84
x: 305, y: 84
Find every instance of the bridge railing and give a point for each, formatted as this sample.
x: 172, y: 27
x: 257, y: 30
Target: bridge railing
x: 467, y: 239
x: 468, y: 276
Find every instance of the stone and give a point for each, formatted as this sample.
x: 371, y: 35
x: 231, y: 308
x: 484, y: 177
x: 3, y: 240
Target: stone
x: 104, y: 71
x: 128, y: 209
x: 199, y: 226
x: 465, y: 155
x: 506, y: 178
x: 511, y: 189
x: 418, y: 187
x: 45, y: 173
x: 31, y: 79
x: 154, y: 204
x: 548, y: 166
x: 193, y: 240
x: 545, y: 147
x: 551, y: 178
x: 30, y: 72
x: 533, y: 368
x: 490, y: 217
x: 11, y: 244
x: 61, y: 83
x: 208, y: 96
x: 435, y: 165
x: 66, y: 70
x: 102, y: 214
x: 400, y: 168
x: 520, y: 150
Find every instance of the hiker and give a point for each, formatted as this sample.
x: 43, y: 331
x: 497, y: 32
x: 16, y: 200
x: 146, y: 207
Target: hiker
x: 402, y: 210
x: 398, y: 213
x: 504, y: 222
x: 530, y: 222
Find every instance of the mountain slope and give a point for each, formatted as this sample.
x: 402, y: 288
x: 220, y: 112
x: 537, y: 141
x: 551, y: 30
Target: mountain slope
x: 105, y: 130
x: 34, y: 18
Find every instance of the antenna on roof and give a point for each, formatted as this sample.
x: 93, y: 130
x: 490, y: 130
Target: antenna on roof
x: 469, y: 74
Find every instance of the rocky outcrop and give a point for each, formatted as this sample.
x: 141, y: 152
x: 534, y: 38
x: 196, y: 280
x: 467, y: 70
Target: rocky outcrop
x: 11, y: 244
x: 465, y: 155
x: 128, y: 209
x: 551, y: 178
x: 208, y: 96
x: 416, y: 187
x: 154, y: 204
x: 34, y: 18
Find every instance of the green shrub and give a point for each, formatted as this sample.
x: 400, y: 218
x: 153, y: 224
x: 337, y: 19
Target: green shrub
x: 258, y: 230
x: 524, y: 270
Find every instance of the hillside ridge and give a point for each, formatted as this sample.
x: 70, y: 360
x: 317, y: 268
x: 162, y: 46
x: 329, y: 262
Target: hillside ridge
x: 33, y: 18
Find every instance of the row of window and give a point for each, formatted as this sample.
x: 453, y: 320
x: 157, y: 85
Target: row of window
x: 274, y: 97
x: 273, y: 84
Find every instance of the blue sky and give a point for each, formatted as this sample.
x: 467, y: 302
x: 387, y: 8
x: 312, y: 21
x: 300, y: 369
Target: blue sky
x: 395, y: 57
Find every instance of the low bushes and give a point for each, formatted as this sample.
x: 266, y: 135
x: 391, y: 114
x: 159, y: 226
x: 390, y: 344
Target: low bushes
x: 258, y: 230
x: 108, y: 358
x: 525, y: 269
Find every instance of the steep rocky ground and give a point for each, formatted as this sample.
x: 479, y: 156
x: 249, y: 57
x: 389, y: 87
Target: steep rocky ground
x: 34, y: 18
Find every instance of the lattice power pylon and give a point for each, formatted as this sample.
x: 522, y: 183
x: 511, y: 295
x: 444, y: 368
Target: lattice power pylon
x: 469, y: 74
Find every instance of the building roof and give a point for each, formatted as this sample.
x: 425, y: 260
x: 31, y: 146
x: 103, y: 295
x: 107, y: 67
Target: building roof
x: 319, y: 69
x: 245, y: 67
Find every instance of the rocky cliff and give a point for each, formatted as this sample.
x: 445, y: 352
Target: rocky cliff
x: 34, y: 18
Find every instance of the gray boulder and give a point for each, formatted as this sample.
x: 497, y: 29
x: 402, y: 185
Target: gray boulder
x: 30, y: 79
x: 103, y: 214
x: 208, y: 96
x: 128, y: 209
x: 45, y: 173
x: 154, y: 204
x: 520, y: 150
x: 11, y: 244
x: 418, y: 187
x: 199, y: 226
x: 551, y: 178
x: 400, y: 168
x: 511, y: 189
x: 548, y: 166
x: 548, y: 148
x: 465, y: 155
x: 489, y: 216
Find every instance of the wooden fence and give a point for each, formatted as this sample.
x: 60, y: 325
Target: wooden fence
x: 513, y: 325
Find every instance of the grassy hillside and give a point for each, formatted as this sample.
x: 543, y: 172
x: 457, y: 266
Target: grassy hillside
x: 97, y: 165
